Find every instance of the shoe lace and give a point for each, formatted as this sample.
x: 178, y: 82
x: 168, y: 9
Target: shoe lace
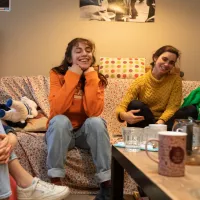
x: 45, y: 185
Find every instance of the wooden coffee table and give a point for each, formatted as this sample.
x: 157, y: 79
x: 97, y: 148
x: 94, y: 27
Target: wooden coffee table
x: 144, y: 172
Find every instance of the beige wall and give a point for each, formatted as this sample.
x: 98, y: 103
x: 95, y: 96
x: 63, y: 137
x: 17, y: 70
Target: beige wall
x: 34, y: 35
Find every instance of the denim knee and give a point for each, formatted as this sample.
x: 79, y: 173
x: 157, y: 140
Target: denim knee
x: 96, y: 123
x: 60, y: 121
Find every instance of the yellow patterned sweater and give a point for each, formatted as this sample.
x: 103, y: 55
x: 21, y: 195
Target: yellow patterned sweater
x: 163, y: 96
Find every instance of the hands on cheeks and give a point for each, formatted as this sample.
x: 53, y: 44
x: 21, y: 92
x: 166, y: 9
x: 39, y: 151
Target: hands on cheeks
x: 80, y: 69
x: 130, y: 118
x: 5, y: 149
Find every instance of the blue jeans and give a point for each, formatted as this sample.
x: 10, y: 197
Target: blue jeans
x: 5, y: 190
x: 93, y: 135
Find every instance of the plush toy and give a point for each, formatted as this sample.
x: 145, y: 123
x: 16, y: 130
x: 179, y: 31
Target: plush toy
x: 19, y: 110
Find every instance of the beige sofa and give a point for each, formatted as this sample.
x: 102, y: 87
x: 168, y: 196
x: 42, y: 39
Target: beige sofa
x: 31, y: 148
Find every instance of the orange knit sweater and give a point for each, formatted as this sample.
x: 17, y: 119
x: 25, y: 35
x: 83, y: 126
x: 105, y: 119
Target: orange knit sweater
x: 67, y: 98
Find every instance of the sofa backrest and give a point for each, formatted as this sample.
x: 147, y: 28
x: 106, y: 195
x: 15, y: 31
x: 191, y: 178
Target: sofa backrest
x: 36, y: 88
x: 114, y: 93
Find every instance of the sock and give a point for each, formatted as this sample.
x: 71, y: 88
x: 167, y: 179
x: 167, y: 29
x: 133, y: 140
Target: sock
x: 106, y: 184
x: 33, y: 182
x: 56, y: 181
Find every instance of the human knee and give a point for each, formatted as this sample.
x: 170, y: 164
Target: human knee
x: 95, y: 122
x: 59, y: 122
x: 193, y: 111
x: 188, y: 111
x: 135, y: 104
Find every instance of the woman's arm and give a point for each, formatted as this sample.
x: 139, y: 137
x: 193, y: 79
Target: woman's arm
x: 62, y: 94
x: 7, y: 143
x: 174, y: 101
x: 11, y: 135
x: 5, y: 148
x: 93, y: 98
x: 132, y: 94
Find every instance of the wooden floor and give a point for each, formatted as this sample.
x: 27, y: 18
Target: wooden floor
x: 80, y: 197
x: 90, y: 197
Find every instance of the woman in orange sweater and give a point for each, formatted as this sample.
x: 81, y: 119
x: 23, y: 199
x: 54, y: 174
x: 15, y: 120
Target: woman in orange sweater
x: 76, y: 100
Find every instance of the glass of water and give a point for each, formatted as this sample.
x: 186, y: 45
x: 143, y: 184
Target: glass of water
x: 132, y: 138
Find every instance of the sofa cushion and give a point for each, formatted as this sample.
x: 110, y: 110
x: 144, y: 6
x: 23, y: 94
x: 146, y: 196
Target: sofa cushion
x: 114, y: 93
x: 80, y: 169
x: 36, y: 124
x: 114, y: 96
x: 188, y: 86
x: 122, y: 67
x: 35, y: 88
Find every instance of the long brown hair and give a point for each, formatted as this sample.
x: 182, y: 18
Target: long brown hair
x: 65, y: 64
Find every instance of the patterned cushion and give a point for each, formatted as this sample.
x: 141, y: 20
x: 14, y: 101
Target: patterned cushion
x: 36, y: 124
x: 188, y: 86
x: 122, y: 67
x: 35, y: 88
x: 80, y: 169
x: 112, y: 99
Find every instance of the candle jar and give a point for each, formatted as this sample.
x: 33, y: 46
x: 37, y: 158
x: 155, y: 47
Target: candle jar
x: 192, y: 128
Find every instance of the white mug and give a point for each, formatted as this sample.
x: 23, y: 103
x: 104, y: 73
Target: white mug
x: 152, y: 130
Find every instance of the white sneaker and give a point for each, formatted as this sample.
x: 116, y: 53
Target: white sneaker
x: 41, y: 190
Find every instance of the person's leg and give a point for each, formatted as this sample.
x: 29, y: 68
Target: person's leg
x: 88, y: 3
x: 95, y: 133
x: 34, y: 188
x: 144, y: 111
x: 151, y: 12
x: 59, y: 138
x: 134, y: 12
x: 22, y: 177
x: 182, y: 113
x: 5, y: 190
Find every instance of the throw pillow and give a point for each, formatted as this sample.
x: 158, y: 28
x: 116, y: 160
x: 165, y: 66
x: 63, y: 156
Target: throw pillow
x: 130, y: 68
x: 37, y: 124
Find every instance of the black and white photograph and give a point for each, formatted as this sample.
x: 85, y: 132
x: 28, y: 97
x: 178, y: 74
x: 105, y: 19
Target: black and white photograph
x: 5, y: 5
x: 118, y: 10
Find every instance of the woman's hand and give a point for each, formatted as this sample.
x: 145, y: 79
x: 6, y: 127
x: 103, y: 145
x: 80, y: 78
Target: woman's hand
x: 130, y: 118
x: 76, y: 69
x: 160, y: 121
x: 90, y: 69
x: 5, y: 148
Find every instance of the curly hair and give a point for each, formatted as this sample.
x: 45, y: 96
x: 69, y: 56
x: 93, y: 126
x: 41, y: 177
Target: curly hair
x: 65, y: 64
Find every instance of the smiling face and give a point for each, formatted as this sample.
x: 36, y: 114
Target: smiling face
x: 82, y: 55
x: 163, y: 64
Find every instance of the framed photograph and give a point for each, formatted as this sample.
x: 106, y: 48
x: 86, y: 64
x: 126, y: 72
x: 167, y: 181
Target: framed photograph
x: 5, y: 5
x: 118, y: 10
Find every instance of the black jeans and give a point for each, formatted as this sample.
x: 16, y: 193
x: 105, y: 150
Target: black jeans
x: 182, y: 113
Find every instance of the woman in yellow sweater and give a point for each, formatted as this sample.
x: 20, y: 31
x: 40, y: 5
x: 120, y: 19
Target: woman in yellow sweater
x: 156, y: 96
x: 76, y: 100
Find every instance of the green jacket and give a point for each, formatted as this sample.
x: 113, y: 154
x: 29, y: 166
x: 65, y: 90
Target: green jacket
x: 193, y: 99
